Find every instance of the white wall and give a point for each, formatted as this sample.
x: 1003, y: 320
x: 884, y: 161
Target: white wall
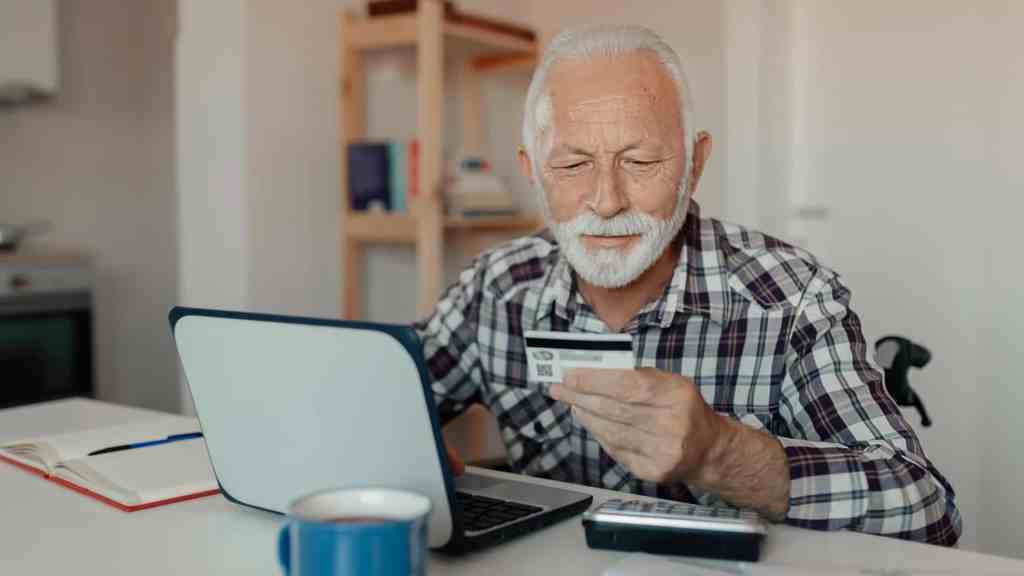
x: 212, y: 165
x: 98, y: 162
x: 901, y: 124
x: 998, y: 191
x: 293, y: 156
x: 258, y: 156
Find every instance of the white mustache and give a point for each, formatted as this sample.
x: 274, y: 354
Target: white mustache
x: 632, y: 223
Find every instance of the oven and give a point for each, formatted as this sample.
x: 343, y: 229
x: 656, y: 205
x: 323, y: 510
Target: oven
x: 46, y: 329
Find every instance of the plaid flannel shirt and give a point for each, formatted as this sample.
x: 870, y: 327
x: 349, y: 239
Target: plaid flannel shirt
x: 762, y: 328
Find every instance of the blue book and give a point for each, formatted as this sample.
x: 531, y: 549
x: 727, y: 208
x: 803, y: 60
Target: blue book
x: 368, y: 176
x: 398, y: 162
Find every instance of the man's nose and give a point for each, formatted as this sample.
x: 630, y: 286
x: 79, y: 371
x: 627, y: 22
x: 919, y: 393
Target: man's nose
x: 609, y: 193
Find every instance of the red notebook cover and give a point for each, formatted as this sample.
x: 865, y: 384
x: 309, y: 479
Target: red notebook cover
x: 102, y: 498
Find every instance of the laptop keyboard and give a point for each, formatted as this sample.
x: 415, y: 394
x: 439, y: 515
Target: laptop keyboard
x: 482, y: 513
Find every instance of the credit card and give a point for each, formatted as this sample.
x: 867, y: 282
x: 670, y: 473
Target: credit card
x: 550, y: 354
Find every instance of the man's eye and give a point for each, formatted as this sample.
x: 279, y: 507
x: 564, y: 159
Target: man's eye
x: 641, y: 163
x: 573, y: 166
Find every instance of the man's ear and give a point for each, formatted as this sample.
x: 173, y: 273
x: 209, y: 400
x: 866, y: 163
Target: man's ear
x: 525, y: 165
x: 701, y: 153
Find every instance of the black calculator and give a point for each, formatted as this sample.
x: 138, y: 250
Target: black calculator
x: 662, y: 527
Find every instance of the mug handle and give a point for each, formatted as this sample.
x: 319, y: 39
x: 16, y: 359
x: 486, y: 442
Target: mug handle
x: 284, y: 548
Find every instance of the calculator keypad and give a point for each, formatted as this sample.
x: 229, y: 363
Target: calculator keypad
x: 666, y: 508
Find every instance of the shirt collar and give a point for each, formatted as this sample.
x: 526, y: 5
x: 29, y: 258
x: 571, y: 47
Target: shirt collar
x: 699, y: 285
x: 557, y: 293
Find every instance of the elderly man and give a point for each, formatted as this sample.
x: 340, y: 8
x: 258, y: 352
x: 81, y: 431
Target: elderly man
x: 751, y: 388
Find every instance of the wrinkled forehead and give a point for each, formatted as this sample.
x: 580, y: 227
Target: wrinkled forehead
x: 615, y: 99
x: 615, y: 108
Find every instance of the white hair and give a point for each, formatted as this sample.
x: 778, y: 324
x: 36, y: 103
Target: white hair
x: 593, y: 41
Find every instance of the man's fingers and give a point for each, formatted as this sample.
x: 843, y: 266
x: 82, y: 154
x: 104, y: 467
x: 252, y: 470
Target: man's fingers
x: 614, y: 447
x: 457, y: 465
x: 639, y: 415
x: 640, y: 452
x: 613, y: 383
x: 640, y: 386
x: 615, y: 435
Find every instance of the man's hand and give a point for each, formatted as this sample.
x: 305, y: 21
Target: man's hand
x: 455, y: 462
x: 658, y: 426
x: 653, y: 422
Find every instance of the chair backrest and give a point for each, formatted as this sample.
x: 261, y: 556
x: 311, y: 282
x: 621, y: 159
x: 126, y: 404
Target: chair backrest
x: 896, y: 355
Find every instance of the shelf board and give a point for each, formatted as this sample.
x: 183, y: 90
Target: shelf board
x: 526, y: 223
x: 488, y: 38
x: 380, y: 228
x: 503, y: 61
x: 384, y: 228
x: 380, y: 31
x: 398, y: 30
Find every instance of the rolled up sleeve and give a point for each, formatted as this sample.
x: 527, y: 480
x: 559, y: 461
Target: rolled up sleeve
x: 854, y: 461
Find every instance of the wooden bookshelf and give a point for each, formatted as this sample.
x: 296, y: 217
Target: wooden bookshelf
x: 425, y: 226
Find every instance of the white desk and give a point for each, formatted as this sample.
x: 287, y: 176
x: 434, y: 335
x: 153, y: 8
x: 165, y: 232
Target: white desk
x: 46, y: 529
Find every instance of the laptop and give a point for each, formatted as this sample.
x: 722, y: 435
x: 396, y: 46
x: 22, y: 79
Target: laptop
x: 292, y: 405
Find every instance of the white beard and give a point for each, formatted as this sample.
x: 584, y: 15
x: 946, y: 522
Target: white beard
x: 612, y: 267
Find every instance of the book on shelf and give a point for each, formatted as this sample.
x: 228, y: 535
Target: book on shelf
x: 368, y: 176
x: 475, y: 191
x: 414, y: 168
x: 398, y: 163
x: 383, y: 175
x: 152, y: 462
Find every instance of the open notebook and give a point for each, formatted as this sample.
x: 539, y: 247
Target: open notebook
x: 129, y: 479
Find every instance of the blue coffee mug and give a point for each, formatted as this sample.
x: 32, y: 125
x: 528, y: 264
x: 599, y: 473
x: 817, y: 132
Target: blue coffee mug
x: 364, y: 531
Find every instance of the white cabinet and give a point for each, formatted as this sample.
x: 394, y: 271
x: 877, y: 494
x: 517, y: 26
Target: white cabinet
x: 28, y: 50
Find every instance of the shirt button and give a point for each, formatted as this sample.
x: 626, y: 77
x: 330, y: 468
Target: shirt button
x: 537, y: 428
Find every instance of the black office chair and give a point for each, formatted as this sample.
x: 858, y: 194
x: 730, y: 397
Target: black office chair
x: 897, y: 355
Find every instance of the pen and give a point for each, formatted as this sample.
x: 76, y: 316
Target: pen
x: 171, y: 438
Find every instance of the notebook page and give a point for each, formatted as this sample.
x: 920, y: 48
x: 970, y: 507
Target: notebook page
x: 78, y: 444
x: 146, y: 474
